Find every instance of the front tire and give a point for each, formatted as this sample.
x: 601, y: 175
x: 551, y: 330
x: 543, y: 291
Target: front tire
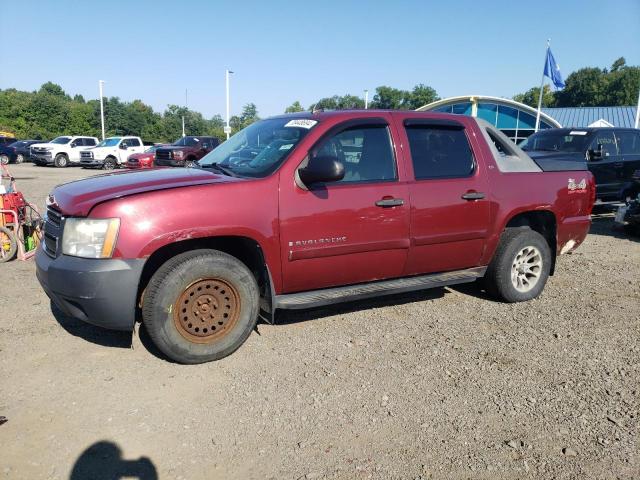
x: 520, y: 267
x: 200, y: 306
x: 20, y: 158
x: 109, y: 163
x: 61, y: 161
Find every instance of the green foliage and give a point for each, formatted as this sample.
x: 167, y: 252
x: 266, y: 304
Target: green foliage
x: 531, y: 96
x: 385, y: 97
x: 50, y: 112
x: 591, y: 87
x: 294, y: 107
x: 248, y: 116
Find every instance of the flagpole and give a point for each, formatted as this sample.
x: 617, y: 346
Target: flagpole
x: 542, y: 87
x: 637, y: 124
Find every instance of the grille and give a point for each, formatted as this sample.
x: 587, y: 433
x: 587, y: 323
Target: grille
x: 52, y: 231
x: 86, y: 154
x: 163, y: 154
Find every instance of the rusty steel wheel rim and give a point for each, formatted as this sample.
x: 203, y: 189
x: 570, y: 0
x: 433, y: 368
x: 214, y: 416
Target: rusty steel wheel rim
x: 207, y: 310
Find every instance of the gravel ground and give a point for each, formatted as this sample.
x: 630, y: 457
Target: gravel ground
x: 444, y: 383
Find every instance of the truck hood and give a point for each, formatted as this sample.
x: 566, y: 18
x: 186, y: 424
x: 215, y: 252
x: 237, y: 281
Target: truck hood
x: 79, y: 197
x: 47, y: 144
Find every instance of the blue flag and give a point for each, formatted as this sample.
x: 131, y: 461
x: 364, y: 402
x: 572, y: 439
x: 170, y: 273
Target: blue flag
x: 552, y: 70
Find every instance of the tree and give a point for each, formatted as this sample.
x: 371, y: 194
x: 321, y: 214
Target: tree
x: 618, y: 64
x: 390, y: 98
x: 422, y: 95
x: 531, y: 96
x: 623, y: 85
x: 52, y: 89
x: 294, y: 107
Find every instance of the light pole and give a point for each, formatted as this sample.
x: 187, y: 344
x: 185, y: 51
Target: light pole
x: 366, y: 99
x: 100, y: 84
x: 227, y: 128
x: 185, y: 106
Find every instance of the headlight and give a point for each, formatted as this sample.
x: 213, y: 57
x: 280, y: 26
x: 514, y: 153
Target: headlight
x: 47, y: 148
x: 178, y: 154
x: 90, y: 238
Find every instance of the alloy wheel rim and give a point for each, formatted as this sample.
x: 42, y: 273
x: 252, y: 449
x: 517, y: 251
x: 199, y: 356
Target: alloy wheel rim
x: 207, y: 310
x: 20, y: 158
x: 526, y: 269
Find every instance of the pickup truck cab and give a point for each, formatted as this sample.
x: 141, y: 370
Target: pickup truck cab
x: 185, y: 152
x: 61, y: 151
x: 611, y: 154
x: 304, y: 210
x: 111, y: 152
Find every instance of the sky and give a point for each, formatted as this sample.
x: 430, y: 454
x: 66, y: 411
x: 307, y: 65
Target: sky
x: 282, y: 51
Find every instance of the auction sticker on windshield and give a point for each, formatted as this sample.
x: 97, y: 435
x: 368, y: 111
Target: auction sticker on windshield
x: 301, y: 123
x: 577, y: 132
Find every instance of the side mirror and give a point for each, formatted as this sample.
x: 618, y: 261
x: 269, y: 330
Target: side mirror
x: 597, y: 154
x: 321, y: 170
x: 124, y: 146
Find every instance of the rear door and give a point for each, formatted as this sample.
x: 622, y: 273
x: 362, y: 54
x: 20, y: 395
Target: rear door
x: 354, y: 230
x: 450, y: 208
x: 629, y: 148
x: 609, y: 169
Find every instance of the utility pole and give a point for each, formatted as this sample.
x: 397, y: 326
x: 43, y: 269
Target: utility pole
x: 637, y: 124
x: 100, y: 84
x: 366, y: 99
x: 227, y: 128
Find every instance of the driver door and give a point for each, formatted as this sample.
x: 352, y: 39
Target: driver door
x: 608, y: 170
x: 349, y: 231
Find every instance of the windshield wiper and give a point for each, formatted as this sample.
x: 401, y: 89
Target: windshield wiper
x: 224, y: 170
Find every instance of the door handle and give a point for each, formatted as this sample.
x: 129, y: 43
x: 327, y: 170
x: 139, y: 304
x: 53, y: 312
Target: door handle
x: 390, y: 202
x: 473, y: 196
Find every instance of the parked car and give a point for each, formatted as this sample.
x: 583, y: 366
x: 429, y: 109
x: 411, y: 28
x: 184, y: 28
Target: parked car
x: 111, y: 153
x: 144, y: 159
x: 61, y: 151
x: 304, y: 210
x: 6, y: 140
x: 16, y: 152
x: 185, y: 152
x: 611, y: 154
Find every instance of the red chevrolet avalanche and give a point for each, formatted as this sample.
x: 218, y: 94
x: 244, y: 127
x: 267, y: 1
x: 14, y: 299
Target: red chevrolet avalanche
x: 304, y: 210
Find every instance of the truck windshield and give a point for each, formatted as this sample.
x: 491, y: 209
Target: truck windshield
x: 109, y: 142
x: 61, y: 140
x: 187, y: 142
x: 569, y: 142
x: 259, y: 149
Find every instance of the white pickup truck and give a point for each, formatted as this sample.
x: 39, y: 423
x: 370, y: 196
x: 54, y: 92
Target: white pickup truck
x: 111, y: 152
x: 61, y: 151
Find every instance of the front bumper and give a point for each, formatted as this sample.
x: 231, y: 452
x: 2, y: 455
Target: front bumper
x: 91, y: 162
x: 42, y: 158
x: 170, y: 162
x: 101, y: 292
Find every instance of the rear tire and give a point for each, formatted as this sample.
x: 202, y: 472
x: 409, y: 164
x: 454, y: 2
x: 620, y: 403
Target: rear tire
x: 4, y: 159
x: 8, y: 245
x: 520, y: 267
x: 200, y: 306
x: 61, y: 161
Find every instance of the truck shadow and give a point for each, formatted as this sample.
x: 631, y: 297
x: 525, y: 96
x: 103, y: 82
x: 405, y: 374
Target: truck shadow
x: 91, y: 333
x: 602, y: 223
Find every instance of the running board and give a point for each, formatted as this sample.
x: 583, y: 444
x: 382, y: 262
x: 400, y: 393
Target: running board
x: 328, y: 296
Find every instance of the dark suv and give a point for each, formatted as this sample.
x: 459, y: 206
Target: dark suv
x: 612, y: 155
x: 185, y: 152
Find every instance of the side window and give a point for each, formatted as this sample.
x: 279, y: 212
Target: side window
x: 628, y: 142
x: 365, y: 152
x: 133, y: 142
x: 89, y: 142
x: 439, y: 152
x: 605, y: 138
x: 76, y: 143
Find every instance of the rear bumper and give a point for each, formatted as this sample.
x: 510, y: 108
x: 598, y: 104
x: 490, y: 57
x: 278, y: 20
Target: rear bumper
x: 572, y: 232
x: 100, y: 292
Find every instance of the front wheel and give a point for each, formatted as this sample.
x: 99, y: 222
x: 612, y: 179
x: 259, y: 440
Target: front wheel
x: 200, y: 306
x: 109, y: 164
x: 61, y: 160
x: 20, y: 158
x: 8, y: 244
x: 520, y: 267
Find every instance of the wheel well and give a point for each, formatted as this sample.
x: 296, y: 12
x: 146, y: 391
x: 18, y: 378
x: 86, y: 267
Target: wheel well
x: 543, y: 222
x: 245, y: 249
x: 111, y: 156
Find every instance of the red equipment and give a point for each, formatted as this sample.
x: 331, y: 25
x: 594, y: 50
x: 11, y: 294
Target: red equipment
x: 20, y: 222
